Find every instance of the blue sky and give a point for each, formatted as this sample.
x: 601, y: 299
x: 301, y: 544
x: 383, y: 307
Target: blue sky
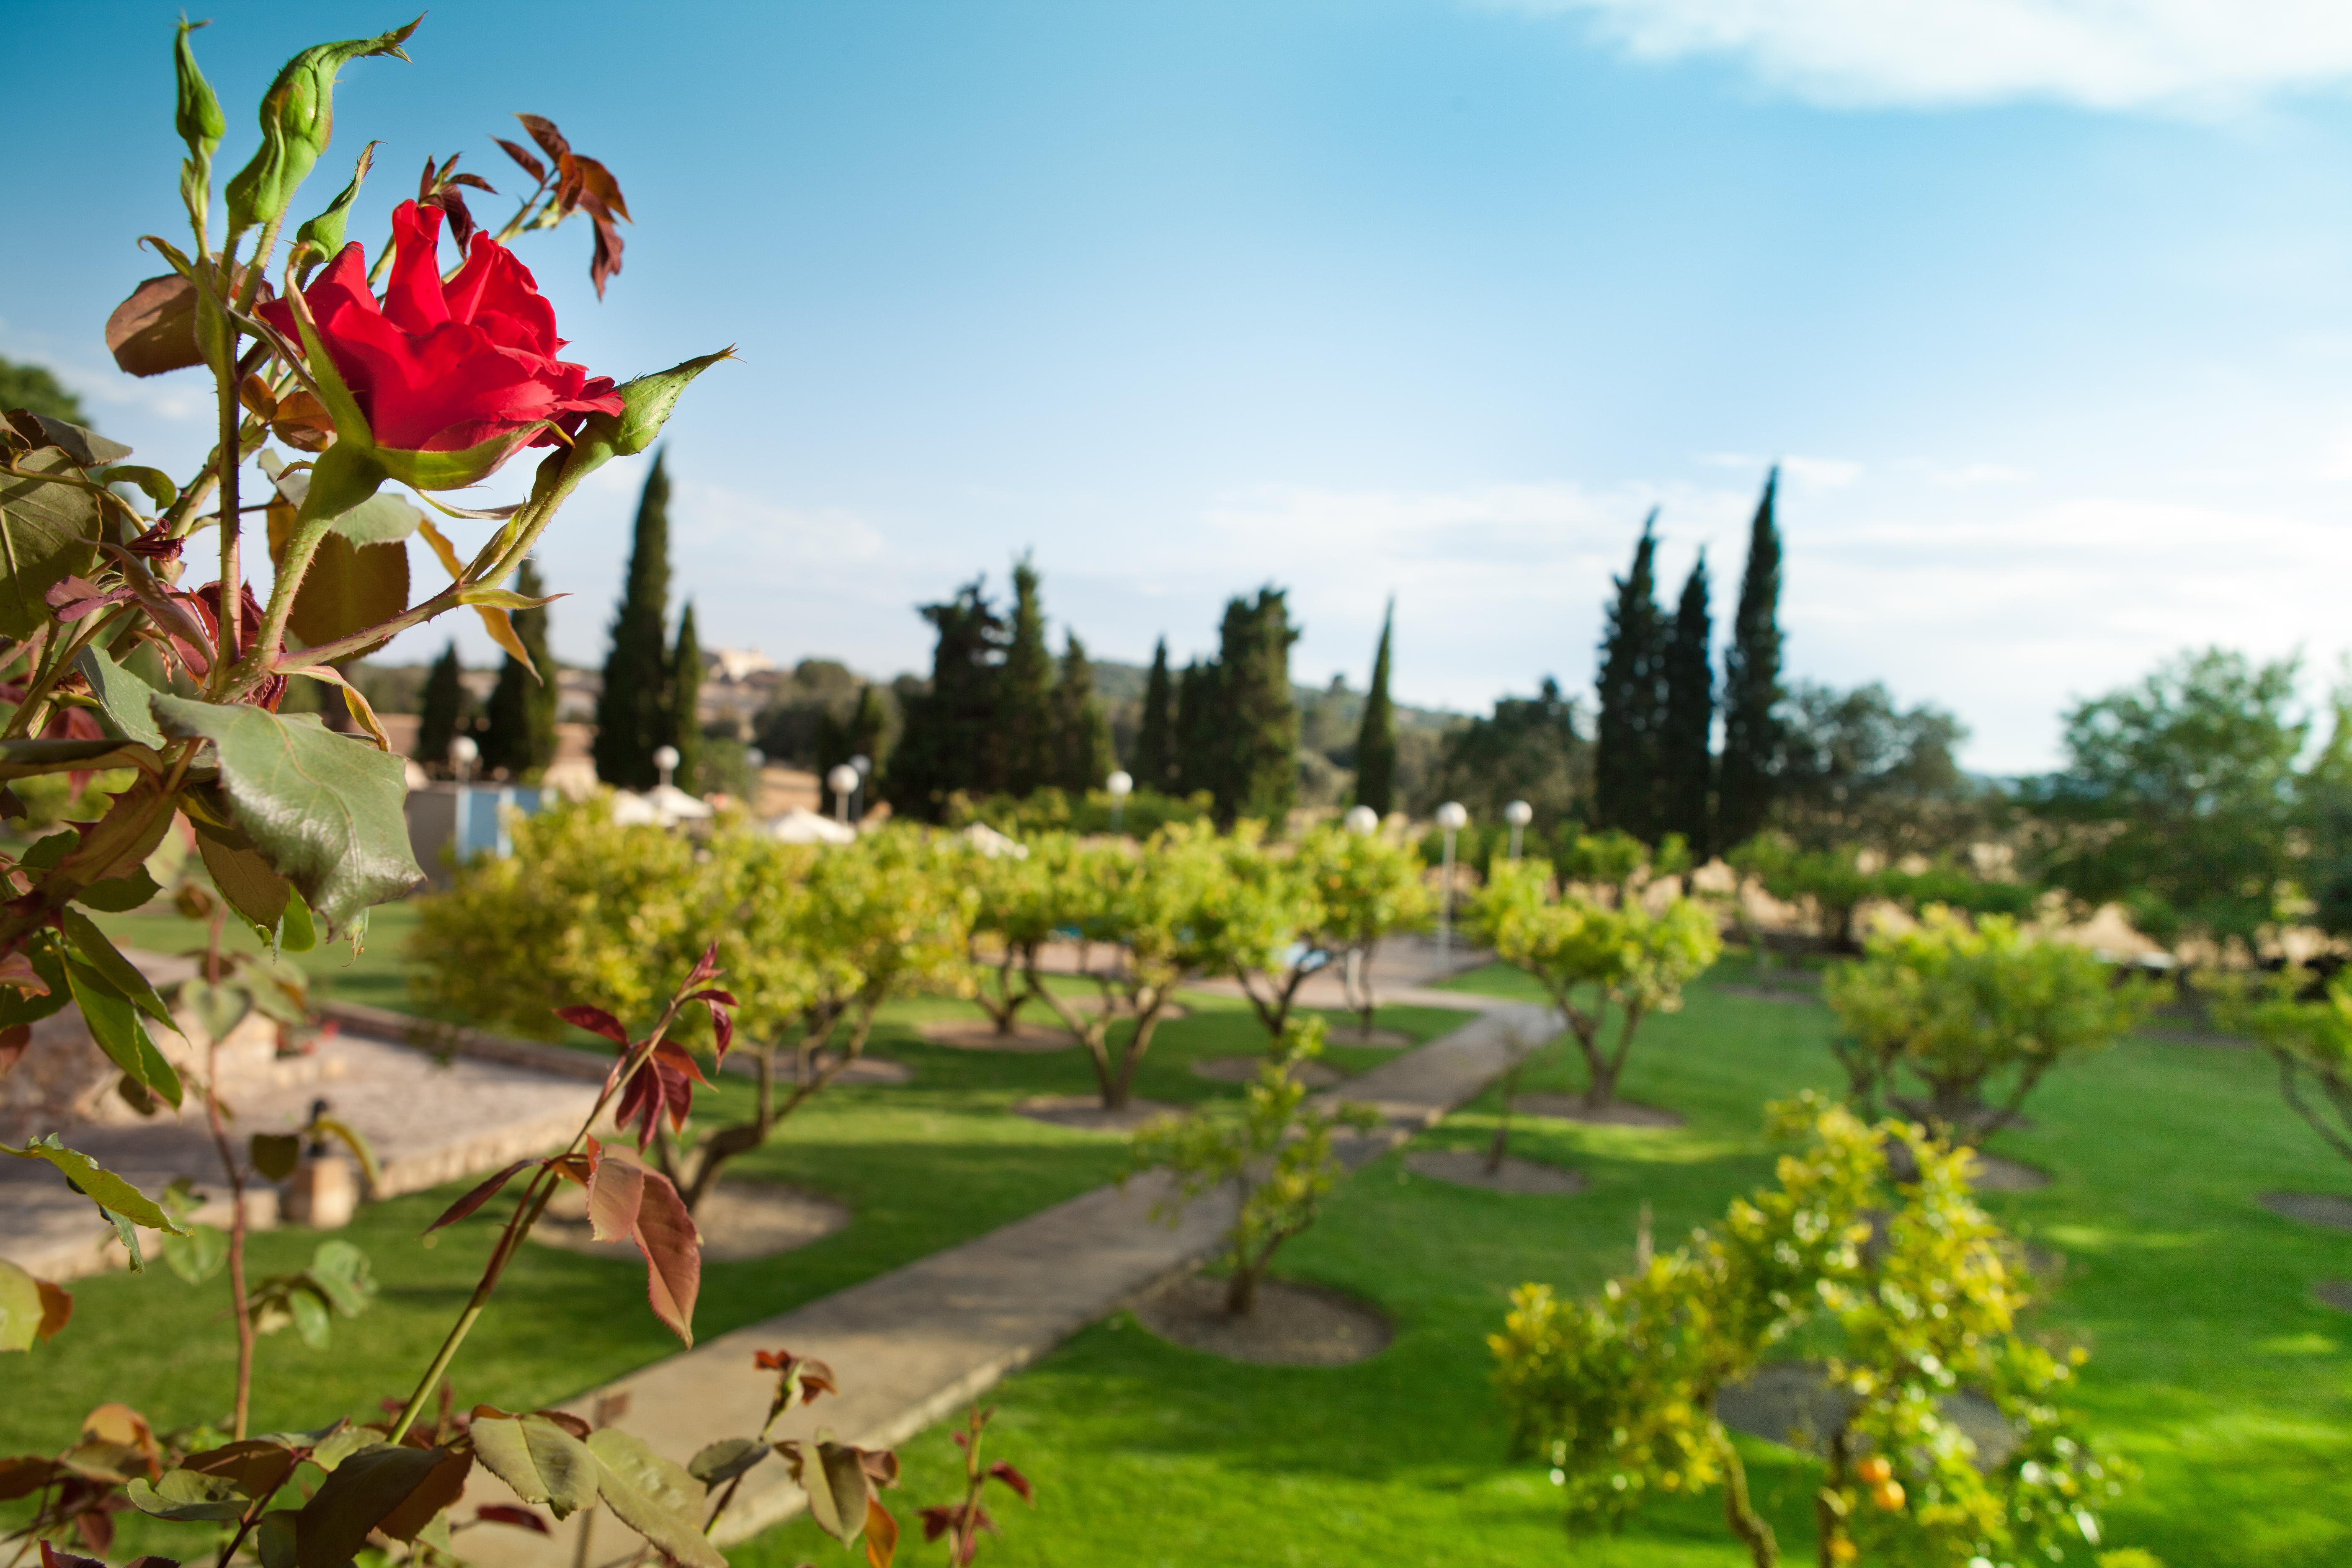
x: 2043, y: 303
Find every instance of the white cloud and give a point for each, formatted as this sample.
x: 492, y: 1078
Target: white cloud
x: 2199, y: 57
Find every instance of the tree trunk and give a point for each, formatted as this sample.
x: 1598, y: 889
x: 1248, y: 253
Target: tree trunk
x: 1745, y: 1524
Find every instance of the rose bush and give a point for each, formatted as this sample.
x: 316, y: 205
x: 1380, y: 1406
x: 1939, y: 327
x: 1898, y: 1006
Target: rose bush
x: 445, y: 366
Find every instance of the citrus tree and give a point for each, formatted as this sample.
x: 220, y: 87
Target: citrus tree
x: 1264, y: 926
x: 1153, y: 906
x: 1910, y: 1290
x: 1274, y: 1153
x: 1012, y: 918
x: 1974, y: 1017
x: 2307, y: 1028
x: 1589, y: 958
x: 1365, y: 885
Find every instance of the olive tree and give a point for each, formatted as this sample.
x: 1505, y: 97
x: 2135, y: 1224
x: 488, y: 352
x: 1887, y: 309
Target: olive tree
x: 1153, y: 905
x: 1589, y: 958
x: 1977, y: 1016
x: 1912, y: 1290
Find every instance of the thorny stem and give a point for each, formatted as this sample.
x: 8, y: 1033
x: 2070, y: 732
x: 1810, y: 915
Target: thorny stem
x: 535, y: 1194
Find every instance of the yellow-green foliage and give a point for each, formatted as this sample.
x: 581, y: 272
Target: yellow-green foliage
x: 584, y: 910
x: 2309, y: 1038
x: 1959, y: 1007
x: 1275, y: 1153
x: 1913, y: 1290
x: 1365, y: 885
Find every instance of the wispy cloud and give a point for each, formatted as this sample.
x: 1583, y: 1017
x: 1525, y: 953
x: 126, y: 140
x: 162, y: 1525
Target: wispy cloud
x: 2195, y: 57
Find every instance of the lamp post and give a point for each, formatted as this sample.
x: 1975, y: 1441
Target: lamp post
x: 1451, y: 819
x: 1355, y: 983
x: 1121, y: 783
x: 1519, y: 814
x: 755, y: 761
x: 666, y: 758
x: 865, y: 766
x: 1361, y: 819
x: 463, y: 754
x: 843, y: 782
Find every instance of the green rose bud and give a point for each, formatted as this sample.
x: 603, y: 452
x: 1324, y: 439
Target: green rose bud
x: 324, y: 233
x: 196, y: 114
x: 298, y: 120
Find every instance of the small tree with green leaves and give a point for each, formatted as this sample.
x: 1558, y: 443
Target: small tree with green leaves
x: 2307, y: 1030
x: 1263, y: 927
x: 1367, y: 885
x: 1976, y: 1017
x: 1274, y: 1155
x: 1013, y: 911
x: 1589, y: 958
x: 1150, y: 907
x: 1911, y: 1292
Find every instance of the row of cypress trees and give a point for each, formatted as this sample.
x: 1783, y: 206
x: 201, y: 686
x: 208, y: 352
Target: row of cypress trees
x: 1655, y: 771
x: 1003, y: 715
x: 653, y: 685
x: 517, y: 728
x: 1228, y: 725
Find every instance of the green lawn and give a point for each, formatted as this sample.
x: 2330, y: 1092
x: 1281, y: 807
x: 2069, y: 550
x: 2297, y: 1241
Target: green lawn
x: 2213, y: 1367
x: 921, y: 1166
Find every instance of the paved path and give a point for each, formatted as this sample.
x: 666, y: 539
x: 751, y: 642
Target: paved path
x: 429, y: 1121
x: 914, y: 1346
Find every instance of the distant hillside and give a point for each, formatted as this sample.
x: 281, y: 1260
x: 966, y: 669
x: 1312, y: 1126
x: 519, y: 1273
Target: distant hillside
x: 1124, y: 683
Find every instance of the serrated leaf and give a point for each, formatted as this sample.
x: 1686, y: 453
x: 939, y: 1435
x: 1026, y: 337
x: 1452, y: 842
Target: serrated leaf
x: 834, y: 1476
x: 341, y: 1273
x: 197, y: 1256
x: 121, y: 697
x: 652, y: 1496
x: 101, y: 1185
x: 725, y: 1459
x: 350, y: 587
x: 29, y: 759
x: 358, y: 1494
x: 120, y: 895
x: 121, y: 974
x: 49, y: 532
x: 308, y: 1311
x: 115, y: 1023
x: 540, y: 1460
x: 247, y: 880
x: 325, y: 810
x: 274, y: 1539
x: 186, y: 1496
x: 218, y: 1009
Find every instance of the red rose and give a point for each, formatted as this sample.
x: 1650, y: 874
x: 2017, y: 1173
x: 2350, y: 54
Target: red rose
x: 446, y: 367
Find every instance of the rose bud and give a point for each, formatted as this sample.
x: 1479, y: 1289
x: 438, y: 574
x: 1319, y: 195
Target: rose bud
x: 298, y: 119
x: 437, y: 383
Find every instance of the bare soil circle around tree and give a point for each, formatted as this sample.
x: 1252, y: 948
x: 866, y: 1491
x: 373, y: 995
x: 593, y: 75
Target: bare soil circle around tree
x: 1467, y: 1168
x: 1288, y: 1325
x: 740, y: 1221
x: 1616, y: 1113
x: 1793, y: 1402
x: 1085, y: 1112
x: 2312, y: 1208
x: 981, y: 1035
x: 2336, y: 1293
x: 1242, y: 1069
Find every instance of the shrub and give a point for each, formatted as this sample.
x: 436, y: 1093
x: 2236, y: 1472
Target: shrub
x: 1969, y: 1013
x: 1911, y: 1289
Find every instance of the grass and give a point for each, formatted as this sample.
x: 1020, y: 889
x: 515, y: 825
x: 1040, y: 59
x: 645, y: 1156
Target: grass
x: 921, y: 1166
x: 2213, y: 1368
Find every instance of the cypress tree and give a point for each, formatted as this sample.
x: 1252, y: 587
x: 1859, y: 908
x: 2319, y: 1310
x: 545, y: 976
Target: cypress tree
x: 1025, y: 706
x: 519, y: 729
x: 1200, y: 733
x: 1155, y: 751
x: 1084, y: 757
x: 1686, y: 755
x: 1376, y: 742
x: 683, y: 710
x: 440, y: 710
x: 1625, y: 765
x: 1751, y: 686
x: 1260, y: 776
x: 948, y: 742
x: 631, y: 707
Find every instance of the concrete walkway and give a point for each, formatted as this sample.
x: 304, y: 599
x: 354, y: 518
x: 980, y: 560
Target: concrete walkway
x: 914, y: 1346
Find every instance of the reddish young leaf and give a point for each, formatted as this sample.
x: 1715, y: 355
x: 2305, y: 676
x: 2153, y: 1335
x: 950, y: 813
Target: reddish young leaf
x: 508, y: 1513
x: 531, y: 164
x: 475, y: 180
x: 706, y: 967
x: 53, y: 1558
x: 881, y: 1534
x: 680, y: 1060
x: 937, y: 1521
x: 673, y: 1250
x: 22, y: 1475
x: 573, y: 1424
x: 478, y: 1197
x: 543, y: 131
x: 596, y: 1021
x: 616, y: 1193
x: 597, y: 182
x: 1001, y: 1471
x: 56, y: 1309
